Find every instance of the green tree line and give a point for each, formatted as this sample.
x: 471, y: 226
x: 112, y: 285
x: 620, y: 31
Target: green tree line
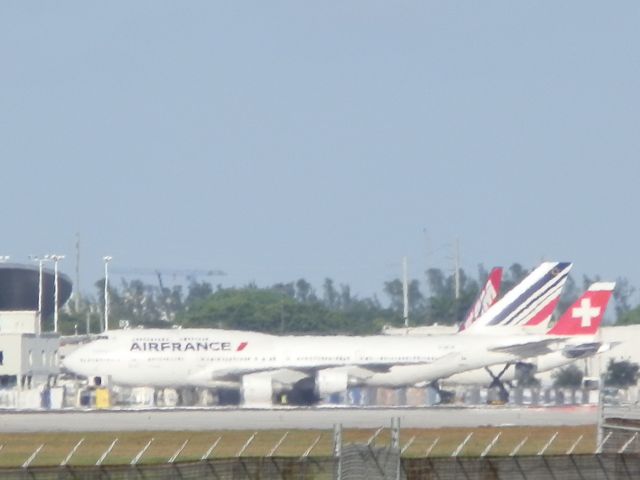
x: 299, y: 307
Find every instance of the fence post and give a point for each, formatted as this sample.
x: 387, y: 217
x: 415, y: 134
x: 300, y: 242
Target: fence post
x: 457, y: 451
x: 372, y: 438
x: 208, y: 453
x: 518, y: 447
x: 395, y: 442
x: 277, y: 445
x: 628, y: 442
x: 544, y: 449
x: 395, y: 433
x: 73, y: 450
x: 600, y: 409
x: 407, y: 445
x: 32, y: 457
x: 601, y: 445
x: 106, y: 452
x: 211, y: 448
x: 136, y: 459
x: 575, y: 444
x: 178, y: 452
x: 246, y: 444
x: 308, y: 450
x: 337, y: 448
x: 491, y: 444
x: 431, y: 447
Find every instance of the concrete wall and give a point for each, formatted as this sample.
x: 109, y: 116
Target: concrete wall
x: 28, y: 354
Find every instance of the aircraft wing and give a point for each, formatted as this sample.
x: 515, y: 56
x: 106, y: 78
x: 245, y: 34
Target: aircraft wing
x: 283, y: 376
x: 581, y: 350
x: 587, y: 349
x: 528, y: 349
x: 233, y: 374
x: 287, y: 375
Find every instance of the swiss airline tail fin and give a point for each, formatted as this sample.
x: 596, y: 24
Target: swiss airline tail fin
x: 524, y: 301
x: 585, y: 315
x: 487, y: 297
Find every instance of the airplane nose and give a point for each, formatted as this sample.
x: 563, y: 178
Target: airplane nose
x: 71, y: 363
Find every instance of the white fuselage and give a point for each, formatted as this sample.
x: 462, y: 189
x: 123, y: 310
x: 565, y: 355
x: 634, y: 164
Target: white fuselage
x: 220, y: 358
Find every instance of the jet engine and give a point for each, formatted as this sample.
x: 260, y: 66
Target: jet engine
x: 330, y: 381
x: 257, y: 390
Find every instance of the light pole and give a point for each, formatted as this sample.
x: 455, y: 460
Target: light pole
x: 56, y: 259
x: 40, y: 259
x: 106, y: 259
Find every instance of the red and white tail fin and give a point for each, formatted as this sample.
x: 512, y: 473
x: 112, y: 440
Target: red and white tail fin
x: 487, y: 297
x: 585, y: 315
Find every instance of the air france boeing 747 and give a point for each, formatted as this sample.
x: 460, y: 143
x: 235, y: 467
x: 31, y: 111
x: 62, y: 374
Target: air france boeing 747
x: 260, y: 365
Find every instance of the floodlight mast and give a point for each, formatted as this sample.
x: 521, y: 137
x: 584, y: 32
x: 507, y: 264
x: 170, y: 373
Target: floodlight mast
x: 40, y: 259
x: 106, y: 260
x: 56, y: 289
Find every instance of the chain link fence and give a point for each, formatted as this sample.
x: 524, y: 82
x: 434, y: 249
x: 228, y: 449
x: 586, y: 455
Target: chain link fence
x: 619, y: 429
x: 359, y: 463
x: 220, y: 469
x: 616, y: 456
x: 565, y: 467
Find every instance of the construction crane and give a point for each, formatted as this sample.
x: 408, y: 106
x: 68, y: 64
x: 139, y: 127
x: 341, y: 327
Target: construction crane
x: 190, y: 274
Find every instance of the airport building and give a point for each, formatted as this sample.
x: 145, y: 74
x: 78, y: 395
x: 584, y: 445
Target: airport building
x: 29, y: 357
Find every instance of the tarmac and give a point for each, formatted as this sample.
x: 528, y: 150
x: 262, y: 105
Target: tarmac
x: 198, y: 419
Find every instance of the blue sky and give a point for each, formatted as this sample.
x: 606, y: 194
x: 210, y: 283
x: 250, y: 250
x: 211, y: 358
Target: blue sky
x: 279, y: 140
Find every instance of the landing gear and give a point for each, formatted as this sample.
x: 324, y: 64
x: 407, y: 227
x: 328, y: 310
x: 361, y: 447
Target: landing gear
x: 446, y: 396
x: 497, y: 386
x: 186, y: 397
x: 227, y: 396
x: 525, y: 374
x: 303, y: 393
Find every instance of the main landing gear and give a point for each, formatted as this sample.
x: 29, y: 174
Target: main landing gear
x: 497, y: 386
x: 446, y: 396
x: 524, y: 375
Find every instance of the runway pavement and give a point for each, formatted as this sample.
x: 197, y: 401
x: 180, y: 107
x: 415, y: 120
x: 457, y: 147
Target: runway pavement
x: 289, y: 418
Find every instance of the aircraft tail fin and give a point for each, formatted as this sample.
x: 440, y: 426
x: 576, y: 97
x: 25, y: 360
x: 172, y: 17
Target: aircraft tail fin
x: 527, y: 299
x: 487, y: 297
x: 585, y: 315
